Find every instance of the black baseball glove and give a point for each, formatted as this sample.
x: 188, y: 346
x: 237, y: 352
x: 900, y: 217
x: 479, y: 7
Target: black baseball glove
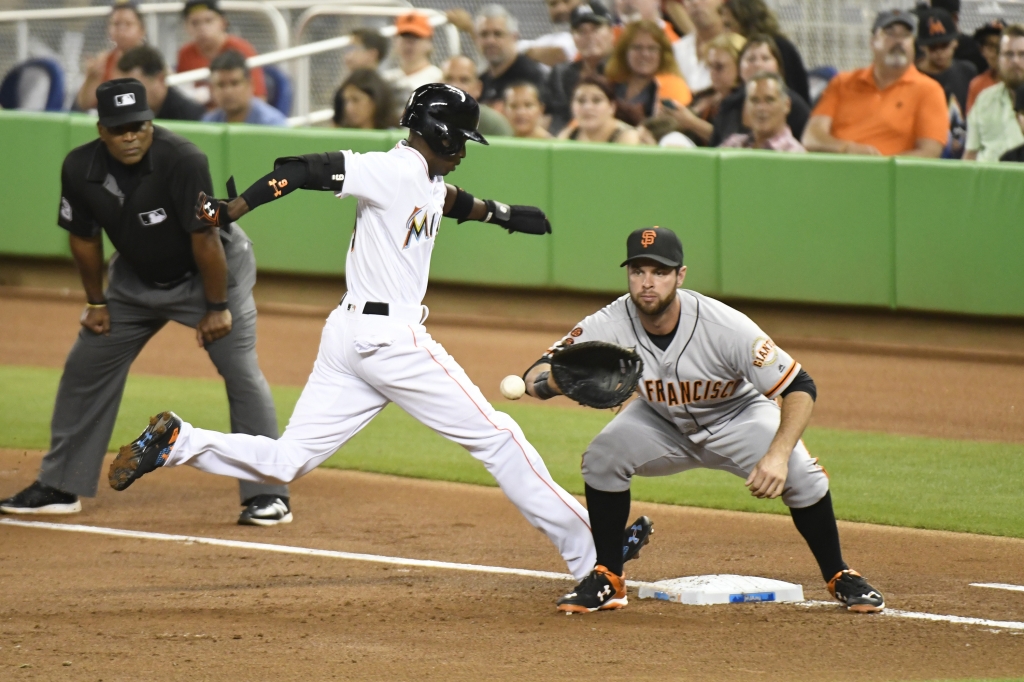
x: 528, y: 219
x: 596, y: 373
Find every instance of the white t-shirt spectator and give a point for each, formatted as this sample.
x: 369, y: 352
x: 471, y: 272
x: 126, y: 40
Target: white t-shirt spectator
x: 407, y: 82
x: 694, y: 71
x: 562, y: 39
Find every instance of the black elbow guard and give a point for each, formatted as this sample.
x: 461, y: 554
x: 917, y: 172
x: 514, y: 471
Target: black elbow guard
x: 462, y: 206
x: 325, y: 172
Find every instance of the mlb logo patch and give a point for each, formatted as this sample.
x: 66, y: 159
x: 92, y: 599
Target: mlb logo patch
x: 125, y: 100
x: 153, y: 217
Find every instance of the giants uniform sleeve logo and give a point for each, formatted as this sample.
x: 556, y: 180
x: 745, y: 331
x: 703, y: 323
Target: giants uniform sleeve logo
x: 763, y: 352
x: 420, y: 224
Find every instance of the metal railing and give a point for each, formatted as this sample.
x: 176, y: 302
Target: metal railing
x: 21, y: 18
x: 300, y: 53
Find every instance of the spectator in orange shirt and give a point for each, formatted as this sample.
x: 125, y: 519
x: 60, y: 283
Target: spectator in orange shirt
x: 644, y: 71
x: 987, y: 37
x: 208, y: 28
x: 126, y: 30
x: 887, y: 108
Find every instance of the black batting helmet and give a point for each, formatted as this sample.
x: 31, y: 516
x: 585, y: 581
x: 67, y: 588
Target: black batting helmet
x: 445, y: 116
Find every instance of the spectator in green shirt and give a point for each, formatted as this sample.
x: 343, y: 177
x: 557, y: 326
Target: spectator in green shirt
x: 992, y: 124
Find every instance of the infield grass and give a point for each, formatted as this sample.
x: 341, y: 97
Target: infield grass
x: 966, y: 486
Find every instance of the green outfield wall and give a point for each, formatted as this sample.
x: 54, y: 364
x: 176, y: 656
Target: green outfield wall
x: 898, y: 233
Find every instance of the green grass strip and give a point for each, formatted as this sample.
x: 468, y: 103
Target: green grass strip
x: 880, y: 478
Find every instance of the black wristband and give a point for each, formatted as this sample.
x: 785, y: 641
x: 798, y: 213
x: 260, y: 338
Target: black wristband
x: 497, y: 212
x: 462, y: 206
x: 216, y: 307
x: 541, y: 388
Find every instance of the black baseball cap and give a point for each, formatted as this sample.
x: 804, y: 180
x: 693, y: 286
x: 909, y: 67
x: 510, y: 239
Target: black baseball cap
x: 888, y: 17
x: 936, y: 27
x: 951, y: 6
x: 122, y: 100
x: 593, y: 12
x: 658, y: 244
x: 195, y: 5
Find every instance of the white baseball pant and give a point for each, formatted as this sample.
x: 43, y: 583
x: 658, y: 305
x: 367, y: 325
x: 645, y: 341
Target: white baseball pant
x: 367, y: 361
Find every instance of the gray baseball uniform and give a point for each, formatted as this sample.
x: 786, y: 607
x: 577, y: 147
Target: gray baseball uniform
x: 706, y: 401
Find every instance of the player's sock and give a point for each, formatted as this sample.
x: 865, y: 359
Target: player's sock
x: 817, y: 524
x: 609, y: 514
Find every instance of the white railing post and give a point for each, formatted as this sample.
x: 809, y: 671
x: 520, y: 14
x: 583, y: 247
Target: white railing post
x: 21, y: 31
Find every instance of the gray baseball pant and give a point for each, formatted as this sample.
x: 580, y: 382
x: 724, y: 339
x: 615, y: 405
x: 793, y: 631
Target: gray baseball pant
x: 96, y: 369
x: 640, y: 442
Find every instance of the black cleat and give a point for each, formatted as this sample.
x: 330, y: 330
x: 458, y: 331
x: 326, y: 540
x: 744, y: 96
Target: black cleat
x: 602, y: 590
x: 850, y: 588
x: 40, y: 498
x: 145, y: 453
x: 265, y: 510
x: 636, y: 537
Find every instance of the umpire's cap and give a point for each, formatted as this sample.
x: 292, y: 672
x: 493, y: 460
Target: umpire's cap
x: 445, y: 116
x: 658, y: 244
x: 120, y: 101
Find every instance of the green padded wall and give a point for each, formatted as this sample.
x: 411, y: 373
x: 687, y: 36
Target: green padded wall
x: 807, y: 228
x: 959, y: 242
x: 601, y: 193
x: 33, y: 151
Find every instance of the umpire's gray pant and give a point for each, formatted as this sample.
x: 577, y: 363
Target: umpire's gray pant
x: 96, y: 369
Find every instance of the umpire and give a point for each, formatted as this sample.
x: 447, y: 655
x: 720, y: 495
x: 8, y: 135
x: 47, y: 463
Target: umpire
x: 139, y: 182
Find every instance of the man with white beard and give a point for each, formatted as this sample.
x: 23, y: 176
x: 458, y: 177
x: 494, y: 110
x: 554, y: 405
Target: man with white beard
x: 888, y: 108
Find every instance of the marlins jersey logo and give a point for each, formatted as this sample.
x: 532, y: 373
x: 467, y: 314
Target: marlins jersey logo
x: 420, y: 224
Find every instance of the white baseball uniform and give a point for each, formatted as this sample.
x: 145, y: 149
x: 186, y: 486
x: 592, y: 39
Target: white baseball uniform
x: 706, y: 401
x: 368, y: 360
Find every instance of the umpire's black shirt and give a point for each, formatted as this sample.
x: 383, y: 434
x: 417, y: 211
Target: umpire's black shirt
x: 147, y: 209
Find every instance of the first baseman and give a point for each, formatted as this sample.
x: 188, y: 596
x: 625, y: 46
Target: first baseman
x: 374, y: 348
x: 707, y: 400
x: 138, y: 182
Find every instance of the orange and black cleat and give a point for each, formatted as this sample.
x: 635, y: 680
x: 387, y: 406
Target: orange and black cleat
x: 147, y: 452
x: 849, y: 587
x: 602, y: 590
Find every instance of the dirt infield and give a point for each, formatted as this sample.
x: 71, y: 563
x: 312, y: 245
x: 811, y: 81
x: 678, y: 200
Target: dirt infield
x: 78, y: 607
x: 125, y: 609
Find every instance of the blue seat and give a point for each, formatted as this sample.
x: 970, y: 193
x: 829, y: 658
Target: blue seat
x: 279, y: 89
x: 35, y: 85
x: 818, y: 79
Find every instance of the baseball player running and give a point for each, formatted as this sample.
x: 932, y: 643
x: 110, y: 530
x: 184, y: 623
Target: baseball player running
x: 707, y: 399
x: 374, y: 348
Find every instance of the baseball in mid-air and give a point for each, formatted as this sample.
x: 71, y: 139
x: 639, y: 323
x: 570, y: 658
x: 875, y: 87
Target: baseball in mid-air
x: 512, y: 387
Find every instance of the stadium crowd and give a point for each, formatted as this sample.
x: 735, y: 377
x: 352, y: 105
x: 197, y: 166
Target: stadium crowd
x: 682, y: 73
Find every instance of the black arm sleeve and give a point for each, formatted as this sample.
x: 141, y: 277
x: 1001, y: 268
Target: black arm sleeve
x: 802, y: 382
x: 321, y: 172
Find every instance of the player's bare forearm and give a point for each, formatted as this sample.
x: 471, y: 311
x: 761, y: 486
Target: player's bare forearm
x: 88, y: 255
x: 208, y: 252
x: 768, y: 479
x: 531, y: 378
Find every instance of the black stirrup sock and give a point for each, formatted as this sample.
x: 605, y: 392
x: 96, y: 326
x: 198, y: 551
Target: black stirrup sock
x: 609, y: 514
x: 817, y: 524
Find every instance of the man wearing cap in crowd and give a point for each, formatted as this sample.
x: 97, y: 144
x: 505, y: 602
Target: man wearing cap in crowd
x: 413, y: 44
x: 888, y: 108
x: 208, y: 28
x: 138, y: 183
x: 987, y: 37
x: 591, y: 24
x: 967, y: 47
x: 992, y: 124
x: 1017, y: 153
x: 936, y: 38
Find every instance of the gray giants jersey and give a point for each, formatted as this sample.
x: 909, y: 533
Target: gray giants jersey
x: 717, y: 364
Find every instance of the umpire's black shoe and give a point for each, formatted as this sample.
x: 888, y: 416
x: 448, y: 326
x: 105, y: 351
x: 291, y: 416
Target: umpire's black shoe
x: 849, y: 587
x: 636, y: 537
x: 265, y: 510
x: 602, y: 590
x: 145, y: 453
x: 40, y: 498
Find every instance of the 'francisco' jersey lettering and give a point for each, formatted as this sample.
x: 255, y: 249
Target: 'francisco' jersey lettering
x: 389, y: 256
x: 717, y: 364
